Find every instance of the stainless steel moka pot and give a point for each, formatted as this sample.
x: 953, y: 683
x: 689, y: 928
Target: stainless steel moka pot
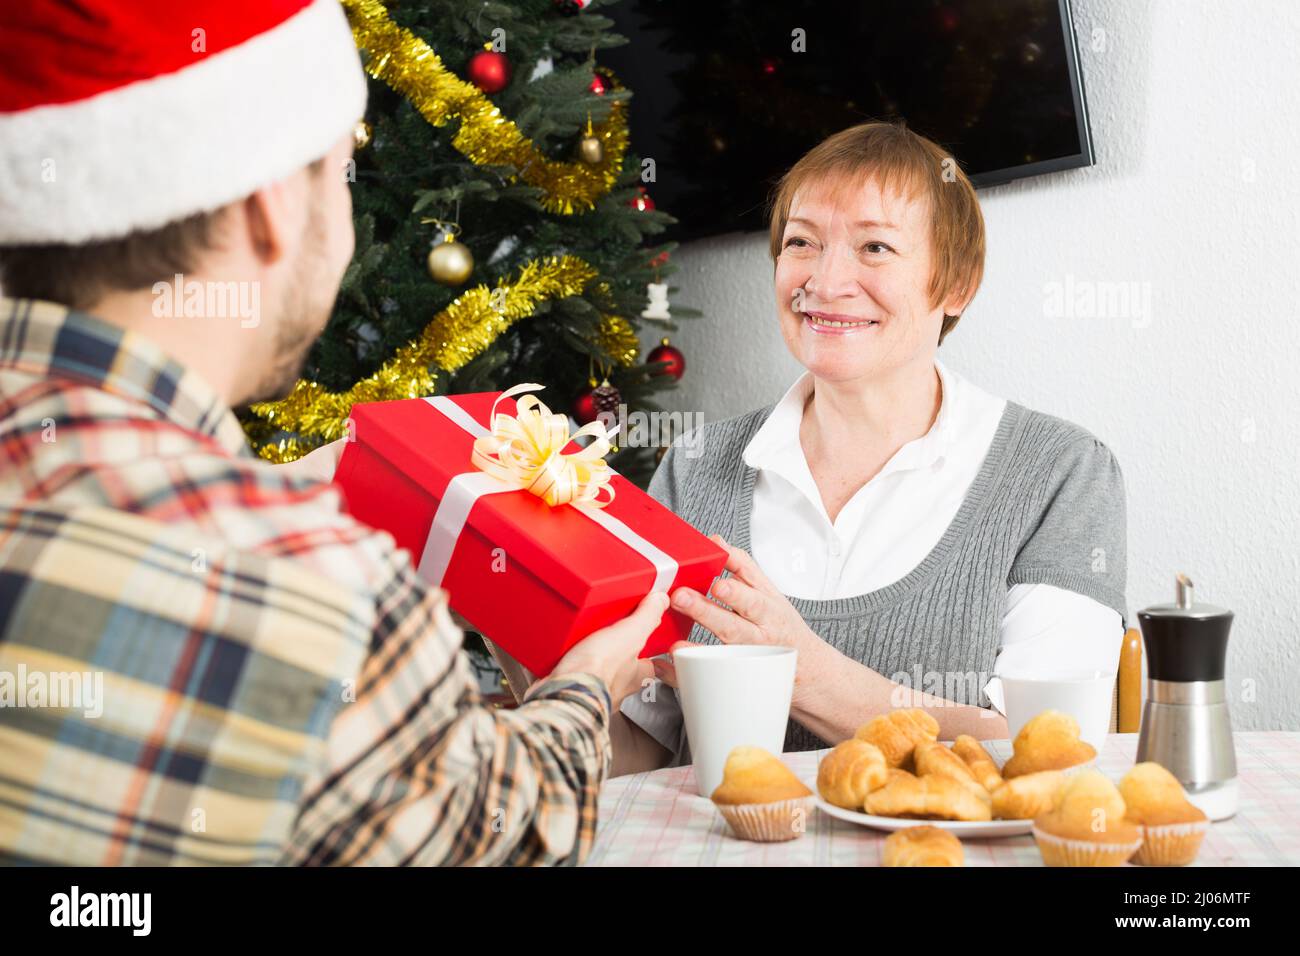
x: 1185, y: 724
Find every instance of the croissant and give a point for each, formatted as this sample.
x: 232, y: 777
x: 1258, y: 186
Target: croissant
x: 898, y: 732
x: 1027, y: 796
x: 923, y: 846
x: 932, y: 797
x: 933, y: 758
x: 977, y: 758
x: 1049, y: 741
x: 849, y: 772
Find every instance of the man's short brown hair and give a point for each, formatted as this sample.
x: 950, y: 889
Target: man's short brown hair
x: 896, y: 157
x: 79, y: 275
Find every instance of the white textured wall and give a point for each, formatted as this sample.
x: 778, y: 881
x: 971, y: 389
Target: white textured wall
x: 1195, y: 112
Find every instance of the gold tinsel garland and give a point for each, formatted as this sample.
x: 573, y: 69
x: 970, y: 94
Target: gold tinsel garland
x: 458, y: 334
x: 411, y: 67
x: 470, y: 324
x: 619, y: 340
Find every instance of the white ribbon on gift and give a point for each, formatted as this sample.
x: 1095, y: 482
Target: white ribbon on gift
x: 466, y: 488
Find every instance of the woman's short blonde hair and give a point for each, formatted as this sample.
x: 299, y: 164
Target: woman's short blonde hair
x: 898, y: 158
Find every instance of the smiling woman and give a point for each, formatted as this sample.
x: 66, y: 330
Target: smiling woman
x: 908, y: 214
x: 910, y: 534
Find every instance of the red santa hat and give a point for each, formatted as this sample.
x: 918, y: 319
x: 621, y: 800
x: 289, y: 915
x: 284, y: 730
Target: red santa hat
x: 117, y: 115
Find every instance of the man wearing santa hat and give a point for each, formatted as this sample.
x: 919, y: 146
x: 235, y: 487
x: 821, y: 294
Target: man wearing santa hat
x: 203, y: 659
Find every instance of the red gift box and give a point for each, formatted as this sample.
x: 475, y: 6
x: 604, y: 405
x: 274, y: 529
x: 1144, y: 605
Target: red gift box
x: 533, y: 578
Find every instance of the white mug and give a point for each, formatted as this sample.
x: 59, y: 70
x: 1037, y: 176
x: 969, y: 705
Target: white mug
x: 1084, y: 695
x: 733, y: 695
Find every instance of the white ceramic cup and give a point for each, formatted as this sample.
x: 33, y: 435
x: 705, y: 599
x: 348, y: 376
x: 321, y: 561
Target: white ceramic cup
x: 1084, y: 695
x: 733, y: 695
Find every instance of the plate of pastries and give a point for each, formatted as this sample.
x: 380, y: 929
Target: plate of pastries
x: 895, y: 772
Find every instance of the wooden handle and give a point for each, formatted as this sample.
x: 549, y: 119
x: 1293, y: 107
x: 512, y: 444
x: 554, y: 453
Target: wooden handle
x: 1129, y: 680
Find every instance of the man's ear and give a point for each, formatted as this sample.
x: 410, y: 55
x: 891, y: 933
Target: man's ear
x: 267, y: 214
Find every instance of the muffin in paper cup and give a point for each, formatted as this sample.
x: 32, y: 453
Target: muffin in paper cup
x: 768, y: 822
x: 761, y: 798
x: 1068, y: 835
x: 1172, y: 827
x: 1067, y: 851
x: 1171, y: 844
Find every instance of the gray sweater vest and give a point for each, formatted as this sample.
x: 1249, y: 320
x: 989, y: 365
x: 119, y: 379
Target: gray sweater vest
x: 1047, y: 506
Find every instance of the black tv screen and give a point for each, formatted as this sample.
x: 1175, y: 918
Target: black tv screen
x: 725, y: 101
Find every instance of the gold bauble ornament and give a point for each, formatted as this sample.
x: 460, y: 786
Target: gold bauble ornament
x: 591, y: 150
x: 408, y: 65
x: 361, y: 134
x: 450, y: 261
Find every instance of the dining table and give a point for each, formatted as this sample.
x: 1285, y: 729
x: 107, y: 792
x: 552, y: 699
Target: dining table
x: 657, y: 818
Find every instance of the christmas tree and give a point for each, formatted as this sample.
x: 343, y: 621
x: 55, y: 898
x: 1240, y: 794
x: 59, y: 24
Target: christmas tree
x: 503, y: 226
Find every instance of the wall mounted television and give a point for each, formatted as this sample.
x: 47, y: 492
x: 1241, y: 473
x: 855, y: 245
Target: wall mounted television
x: 724, y: 105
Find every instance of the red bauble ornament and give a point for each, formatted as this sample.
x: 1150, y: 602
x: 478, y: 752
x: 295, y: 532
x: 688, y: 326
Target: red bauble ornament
x: 584, y: 408
x: 489, y: 71
x: 642, y: 202
x: 671, y: 354
x: 597, y: 85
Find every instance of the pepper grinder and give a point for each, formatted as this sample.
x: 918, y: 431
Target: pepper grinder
x: 1185, y: 723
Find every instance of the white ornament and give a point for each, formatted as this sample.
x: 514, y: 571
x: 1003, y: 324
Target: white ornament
x: 503, y: 249
x: 544, y: 67
x: 658, y: 307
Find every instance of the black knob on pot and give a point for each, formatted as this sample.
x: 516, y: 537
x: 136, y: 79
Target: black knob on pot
x: 1185, y: 641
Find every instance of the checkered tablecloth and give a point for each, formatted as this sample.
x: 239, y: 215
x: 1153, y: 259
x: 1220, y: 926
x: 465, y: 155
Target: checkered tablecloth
x: 657, y: 819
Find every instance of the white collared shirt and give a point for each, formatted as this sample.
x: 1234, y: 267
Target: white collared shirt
x: 893, y: 521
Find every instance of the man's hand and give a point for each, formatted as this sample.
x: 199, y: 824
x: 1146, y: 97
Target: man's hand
x: 611, y: 653
x: 319, y: 463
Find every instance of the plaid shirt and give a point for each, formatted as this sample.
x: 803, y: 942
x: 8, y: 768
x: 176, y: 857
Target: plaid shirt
x: 277, y: 684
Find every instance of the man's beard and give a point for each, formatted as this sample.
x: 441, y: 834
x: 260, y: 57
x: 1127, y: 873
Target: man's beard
x: 302, y: 314
x: 296, y: 333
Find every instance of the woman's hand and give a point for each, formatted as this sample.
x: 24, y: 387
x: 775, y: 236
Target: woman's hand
x: 757, y: 613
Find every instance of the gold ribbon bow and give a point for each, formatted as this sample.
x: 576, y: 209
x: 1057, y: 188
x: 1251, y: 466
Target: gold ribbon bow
x: 525, y: 450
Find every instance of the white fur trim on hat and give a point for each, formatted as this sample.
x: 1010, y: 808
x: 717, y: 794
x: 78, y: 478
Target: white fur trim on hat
x: 162, y: 149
